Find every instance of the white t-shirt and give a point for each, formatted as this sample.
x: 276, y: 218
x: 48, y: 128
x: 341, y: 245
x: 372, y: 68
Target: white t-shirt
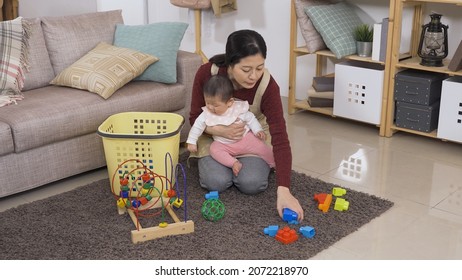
x: 239, y: 112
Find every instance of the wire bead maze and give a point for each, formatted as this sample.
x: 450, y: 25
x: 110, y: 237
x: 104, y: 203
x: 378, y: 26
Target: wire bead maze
x: 146, y: 194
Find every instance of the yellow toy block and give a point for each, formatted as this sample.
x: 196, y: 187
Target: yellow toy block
x: 165, y: 193
x: 121, y: 203
x: 341, y: 204
x: 337, y: 191
x: 177, y: 203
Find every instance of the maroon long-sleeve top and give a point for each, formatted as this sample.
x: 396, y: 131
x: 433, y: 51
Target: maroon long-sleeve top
x: 271, y: 107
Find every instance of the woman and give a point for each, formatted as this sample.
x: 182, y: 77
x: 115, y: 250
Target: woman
x: 244, y: 64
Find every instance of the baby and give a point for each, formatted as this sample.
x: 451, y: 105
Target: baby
x: 222, y: 109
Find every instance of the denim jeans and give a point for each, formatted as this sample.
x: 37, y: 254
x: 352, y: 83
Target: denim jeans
x: 252, y: 179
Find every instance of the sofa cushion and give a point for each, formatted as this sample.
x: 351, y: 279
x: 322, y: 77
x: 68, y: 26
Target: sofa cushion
x: 52, y: 113
x: 68, y: 38
x: 160, y: 39
x: 104, y: 69
x: 40, y: 69
x: 6, y: 139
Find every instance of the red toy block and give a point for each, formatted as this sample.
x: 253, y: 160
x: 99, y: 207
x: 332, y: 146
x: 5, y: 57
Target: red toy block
x: 171, y: 193
x: 286, y: 235
x: 146, y: 177
x: 143, y: 200
x: 320, y: 197
x: 325, y: 206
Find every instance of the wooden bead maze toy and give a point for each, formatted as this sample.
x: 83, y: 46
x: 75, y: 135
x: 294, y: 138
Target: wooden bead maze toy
x: 142, y: 193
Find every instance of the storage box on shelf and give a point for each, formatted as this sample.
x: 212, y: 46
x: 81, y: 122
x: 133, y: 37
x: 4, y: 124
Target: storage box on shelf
x: 417, y: 96
x: 417, y: 117
x: 358, y: 91
x: 450, y: 117
x: 396, y: 64
x: 322, y: 57
x: 418, y: 87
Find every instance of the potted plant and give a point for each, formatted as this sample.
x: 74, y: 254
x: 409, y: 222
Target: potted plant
x: 363, y: 35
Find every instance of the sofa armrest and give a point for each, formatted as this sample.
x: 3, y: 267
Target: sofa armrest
x: 187, y: 65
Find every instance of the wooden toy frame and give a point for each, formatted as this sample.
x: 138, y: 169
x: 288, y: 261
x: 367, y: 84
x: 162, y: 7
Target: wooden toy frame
x: 145, y: 234
x: 141, y: 234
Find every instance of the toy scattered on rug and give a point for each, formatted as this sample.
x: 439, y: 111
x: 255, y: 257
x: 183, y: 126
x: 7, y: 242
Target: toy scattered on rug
x: 324, y: 200
x: 288, y: 235
x: 213, y: 208
x: 289, y: 216
x: 141, y: 191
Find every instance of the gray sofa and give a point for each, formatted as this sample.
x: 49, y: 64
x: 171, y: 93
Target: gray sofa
x: 51, y: 134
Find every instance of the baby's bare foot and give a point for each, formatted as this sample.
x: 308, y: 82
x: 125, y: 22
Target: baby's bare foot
x: 237, y: 166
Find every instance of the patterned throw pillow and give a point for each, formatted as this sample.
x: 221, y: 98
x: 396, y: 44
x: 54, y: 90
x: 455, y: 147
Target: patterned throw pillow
x: 313, y: 39
x: 104, y: 69
x: 14, y: 36
x: 160, y: 39
x: 336, y: 23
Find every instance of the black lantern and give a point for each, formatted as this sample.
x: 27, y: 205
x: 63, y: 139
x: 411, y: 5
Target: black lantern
x: 433, y: 46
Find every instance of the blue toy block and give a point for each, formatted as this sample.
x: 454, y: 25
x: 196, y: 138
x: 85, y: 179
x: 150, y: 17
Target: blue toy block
x: 136, y: 203
x: 289, y: 216
x: 307, y: 231
x: 211, y: 195
x: 124, y: 194
x: 271, y: 230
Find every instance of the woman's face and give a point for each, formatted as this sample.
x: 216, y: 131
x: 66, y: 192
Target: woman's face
x: 248, y: 71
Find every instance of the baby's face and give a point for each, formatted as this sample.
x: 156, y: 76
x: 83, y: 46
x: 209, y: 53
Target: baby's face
x: 216, y: 105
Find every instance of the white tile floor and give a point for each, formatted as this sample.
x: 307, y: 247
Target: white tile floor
x: 422, y: 176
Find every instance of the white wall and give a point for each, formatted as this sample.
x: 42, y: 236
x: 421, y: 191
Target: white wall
x: 134, y: 12
x: 269, y: 17
x: 40, y: 8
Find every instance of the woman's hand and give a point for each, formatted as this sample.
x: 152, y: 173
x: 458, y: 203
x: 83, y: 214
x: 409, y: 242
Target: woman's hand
x: 233, y: 131
x: 286, y: 200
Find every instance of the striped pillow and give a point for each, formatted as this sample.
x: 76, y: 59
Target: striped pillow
x: 104, y: 69
x: 14, y: 48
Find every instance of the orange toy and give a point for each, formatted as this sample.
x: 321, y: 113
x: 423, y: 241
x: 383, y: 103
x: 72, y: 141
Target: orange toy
x: 286, y: 235
x: 320, y: 197
x: 326, y: 204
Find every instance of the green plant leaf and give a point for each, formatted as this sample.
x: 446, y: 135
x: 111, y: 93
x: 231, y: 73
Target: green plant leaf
x: 363, y: 33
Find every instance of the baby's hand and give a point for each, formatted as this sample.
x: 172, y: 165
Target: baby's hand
x: 261, y: 135
x: 192, y: 148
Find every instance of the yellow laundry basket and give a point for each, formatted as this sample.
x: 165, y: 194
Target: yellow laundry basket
x: 144, y: 136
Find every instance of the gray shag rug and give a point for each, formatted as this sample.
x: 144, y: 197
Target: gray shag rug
x: 84, y: 224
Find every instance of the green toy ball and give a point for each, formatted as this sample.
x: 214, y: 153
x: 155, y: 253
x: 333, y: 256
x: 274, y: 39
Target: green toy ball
x: 213, y: 210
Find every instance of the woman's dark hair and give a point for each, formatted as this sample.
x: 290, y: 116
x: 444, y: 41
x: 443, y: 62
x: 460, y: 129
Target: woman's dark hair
x: 240, y: 44
x: 219, y: 86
